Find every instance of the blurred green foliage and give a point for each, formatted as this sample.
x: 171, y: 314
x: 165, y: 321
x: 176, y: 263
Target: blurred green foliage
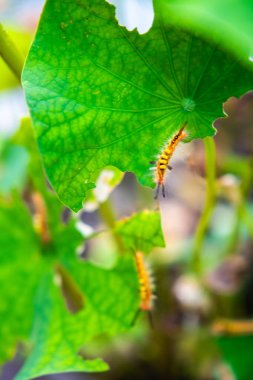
x: 228, y: 22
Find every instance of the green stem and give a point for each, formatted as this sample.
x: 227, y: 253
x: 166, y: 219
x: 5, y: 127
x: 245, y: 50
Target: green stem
x: 107, y: 214
x: 10, y: 53
x: 210, y: 166
x: 234, y: 239
x: 242, y: 214
x: 247, y: 218
x: 245, y: 192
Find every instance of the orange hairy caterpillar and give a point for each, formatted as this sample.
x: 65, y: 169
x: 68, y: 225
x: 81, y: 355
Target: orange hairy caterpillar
x: 162, y: 163
x: 145, y: 283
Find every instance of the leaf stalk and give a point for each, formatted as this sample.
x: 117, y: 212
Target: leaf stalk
x: 10, y: 53
x: 107, y: 215
x: 210, y: 167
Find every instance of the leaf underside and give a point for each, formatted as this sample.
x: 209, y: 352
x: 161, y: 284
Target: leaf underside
x: 100, y: 95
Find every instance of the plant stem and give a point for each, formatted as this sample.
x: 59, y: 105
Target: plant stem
x: 107, y: 214
x: 245, y: 193
x: 210, y: 166
x: 247, y: 218
x: 242, y: 213
x: 10, y: 53
x: 235, y: 235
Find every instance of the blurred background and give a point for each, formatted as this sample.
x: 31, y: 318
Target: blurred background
x: 189, y: 339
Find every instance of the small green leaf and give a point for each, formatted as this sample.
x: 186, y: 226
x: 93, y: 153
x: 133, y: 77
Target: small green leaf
x: 100, y: 95
x: 141, y: 231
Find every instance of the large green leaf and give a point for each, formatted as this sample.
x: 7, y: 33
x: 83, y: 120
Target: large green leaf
x: 100, y: 95
x: 110, y: 302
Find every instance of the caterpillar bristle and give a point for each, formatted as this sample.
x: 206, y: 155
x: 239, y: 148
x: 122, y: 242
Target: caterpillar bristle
x: 163, y: 161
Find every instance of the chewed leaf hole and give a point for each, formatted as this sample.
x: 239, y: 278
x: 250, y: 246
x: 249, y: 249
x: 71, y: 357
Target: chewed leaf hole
x: 133, y: 14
